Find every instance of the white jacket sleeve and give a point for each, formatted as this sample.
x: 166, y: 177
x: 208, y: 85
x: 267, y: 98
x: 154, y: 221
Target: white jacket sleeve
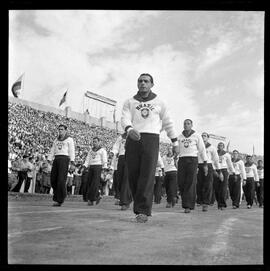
x: 167, y: 122
x: 255, y: 171
x: 126, y: 118
x: 229, y: 163
x: 71, y: 149
x: 243, y: 171
x: 52, y: 152
x: 104, y: 158
x: 215, y: 158
x: 87, y: 159
x: 201, y: 148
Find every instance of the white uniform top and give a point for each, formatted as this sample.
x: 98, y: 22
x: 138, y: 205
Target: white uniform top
x: 225, y: 162
x: 192, y: 146
x: 65, y: 147
x: 251, y: 171
x: 212, y: 157
x: 169, y: 164
x: 147, y: 117
x: 119, y: 146
x: 260, y: 173
x: 239, y: 168
x: 98, y: 157
x: 159, y: 167
x: 30, y: 173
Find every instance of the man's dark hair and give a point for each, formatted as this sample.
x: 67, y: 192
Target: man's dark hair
x: 96, y: 137
x: 189, y: 120
x: 204, y: 133
x: 221, y: 143
x: 236, y: 151
x: 147, y: 74
x: 63, y: 125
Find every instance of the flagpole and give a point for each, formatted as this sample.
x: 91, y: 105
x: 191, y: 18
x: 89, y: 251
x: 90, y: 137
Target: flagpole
x: 23, y: 78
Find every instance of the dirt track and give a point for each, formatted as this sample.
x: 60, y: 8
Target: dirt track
x: 79, y: 234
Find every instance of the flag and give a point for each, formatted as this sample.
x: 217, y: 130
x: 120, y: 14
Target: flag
x: 17, y: 86
x: 64, y: 98
x: 227, y: 148
x: 253, y: 150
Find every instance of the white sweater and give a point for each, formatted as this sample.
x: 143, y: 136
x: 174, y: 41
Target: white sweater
x: 260, y: 173
x: 98, y: 157
x: 192, y: 146
x: 147, y: 117
x: 252, y: 172
x: 65, y: 147
x: 212, y: 157
x: 239, y: 168
x: 159, y: 167
x: 225, y: 162
x: 119, y: 146
x: 169, y: 163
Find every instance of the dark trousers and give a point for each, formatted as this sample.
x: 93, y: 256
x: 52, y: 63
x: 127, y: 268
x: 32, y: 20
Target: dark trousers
x: 83, y: 190
x: 249, y: 191
x: 59, y: 177
x: 77, y: 182
x: 27, y: 184
x: 170, y: 181
x: 235, y: 189
x: 141, y: 158
x: 158, y: 189
x: 187, y: 179
x: 93, y: 182
x: 116, y: 184
x: 204, y: 185
x: 259, y: 192
x: 221, y: 189
x: 122, y: 177
x: 22, y: 176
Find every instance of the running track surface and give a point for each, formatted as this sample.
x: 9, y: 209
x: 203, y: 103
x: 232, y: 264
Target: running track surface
x: 103, y: 234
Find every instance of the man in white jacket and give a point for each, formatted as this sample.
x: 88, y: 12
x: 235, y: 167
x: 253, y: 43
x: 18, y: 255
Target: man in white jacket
x: 236, y: 179
x: 144, y: 116
x: 63, y: 153
x: 191, y: 146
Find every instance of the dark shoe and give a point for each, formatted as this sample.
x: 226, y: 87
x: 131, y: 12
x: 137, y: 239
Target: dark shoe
x: 90, y: 203
x: 117, y: 202
x: 187, y: 210
x: 141, y: 218
x: 234, y: 207
x: 124, y: 207
x: 249, y: 206
x: 168, y: 205
x: 56, y: 204
x: 205, y: 208
x: 98, y: 200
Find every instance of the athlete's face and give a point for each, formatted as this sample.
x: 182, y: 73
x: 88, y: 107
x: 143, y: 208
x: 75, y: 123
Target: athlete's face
x: 187, y: 125
x: 220, y: 146
x: 62, y: 131
x: 144, y: 84
x: 169, y: 151
x: 95, y: 143
x: 205, y: 138
x: 249, y: 159
x: 235, y: 154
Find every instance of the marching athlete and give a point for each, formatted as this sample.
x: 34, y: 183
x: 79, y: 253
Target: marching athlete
x: 205, y: 182
x: 170, y: 179
x: 158, y: 180
x: 236, y: 179
x: 122, y: 175
x: 260, y: 184
x: 97, y: 161
x: 252, y: 177
x: 63, y: 153
x: 221, y: 181
x: 144, y: 116
x: 191, y: 146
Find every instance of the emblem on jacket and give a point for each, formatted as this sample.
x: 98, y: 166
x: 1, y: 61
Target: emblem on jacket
x: 186, y: 142
x: 59, y: 145
x: 145, y: 113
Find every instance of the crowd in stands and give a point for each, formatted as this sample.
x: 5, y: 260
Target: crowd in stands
x: 31, y: 132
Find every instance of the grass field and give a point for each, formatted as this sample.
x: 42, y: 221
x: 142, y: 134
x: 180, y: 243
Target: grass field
x: 103, y: 234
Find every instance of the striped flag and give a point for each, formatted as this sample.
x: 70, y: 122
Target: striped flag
x: 17, y: 86
x: 64, y: 98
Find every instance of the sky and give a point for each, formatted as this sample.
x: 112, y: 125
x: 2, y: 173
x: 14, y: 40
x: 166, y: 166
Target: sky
x: 207, y: 66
